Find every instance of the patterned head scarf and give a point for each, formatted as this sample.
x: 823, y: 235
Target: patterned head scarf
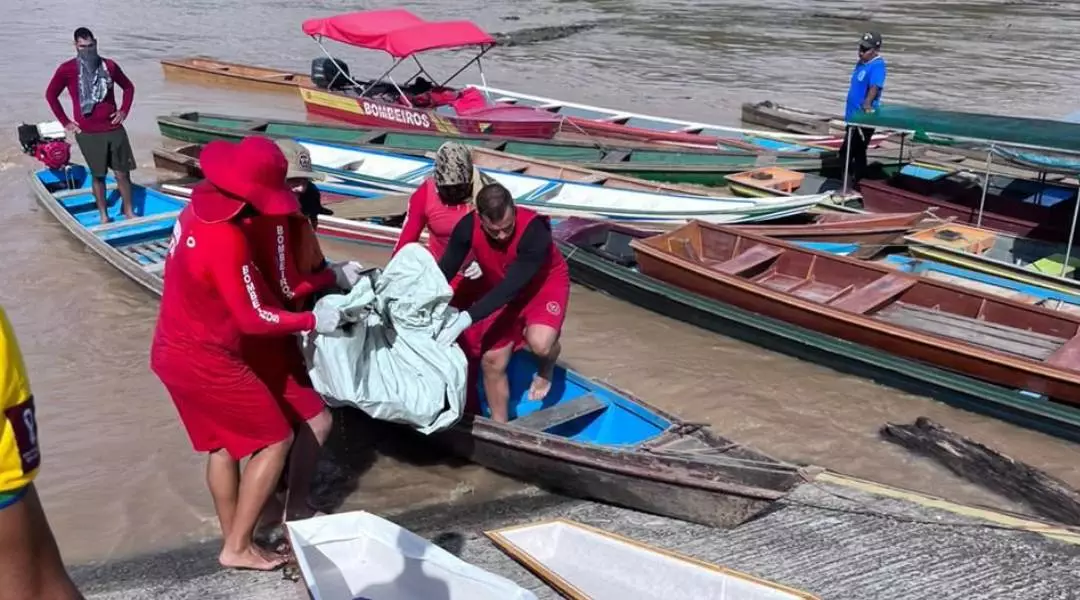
x: 453, y: 164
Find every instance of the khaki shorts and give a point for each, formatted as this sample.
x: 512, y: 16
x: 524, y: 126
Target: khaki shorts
x: 106, y: 150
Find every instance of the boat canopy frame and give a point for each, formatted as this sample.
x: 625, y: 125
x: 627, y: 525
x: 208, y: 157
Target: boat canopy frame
x: 398, y: 32
x: 1051, y: 146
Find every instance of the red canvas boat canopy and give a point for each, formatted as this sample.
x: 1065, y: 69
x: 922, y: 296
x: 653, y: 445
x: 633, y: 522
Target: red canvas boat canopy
x: 397, y: 32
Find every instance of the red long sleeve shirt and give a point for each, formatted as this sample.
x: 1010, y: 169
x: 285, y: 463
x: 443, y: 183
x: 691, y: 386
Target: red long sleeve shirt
x: 67, y: 78
x: 215, y: 294
x: 275, y: 243
x: 427, y: 210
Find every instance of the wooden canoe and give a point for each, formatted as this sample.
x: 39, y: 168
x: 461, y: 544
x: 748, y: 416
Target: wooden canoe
x: 990, y: 338
x: 370, y: 174
x: 592, y: 441
x: 586, y: 439
x: 772, y: 115
x: 590, y: 121
x: 183, y: 159
x: 863, y: 229
x: 660, y: 163
x: 1023, y: 207
x: 600, y: 257
x: 581, y: 192
x: 136, y: 247
x: 218, y: 72
x: 619, y: 124
x: 1022, y: 259
x: 1019, y: 291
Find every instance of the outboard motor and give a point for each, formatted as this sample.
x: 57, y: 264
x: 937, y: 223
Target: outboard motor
x: 51, y: 148
x: 330, y: 74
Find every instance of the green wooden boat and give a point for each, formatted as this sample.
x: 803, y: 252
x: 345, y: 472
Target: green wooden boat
x: 656, y: 163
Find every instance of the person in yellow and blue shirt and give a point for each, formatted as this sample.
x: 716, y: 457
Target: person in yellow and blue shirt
x: 864, y: 95
x: 30, y: 562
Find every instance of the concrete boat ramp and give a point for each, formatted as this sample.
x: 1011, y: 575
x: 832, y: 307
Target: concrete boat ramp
x: 835, y: 537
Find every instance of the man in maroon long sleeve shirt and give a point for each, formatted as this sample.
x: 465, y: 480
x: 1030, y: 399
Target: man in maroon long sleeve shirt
x: 97, y: 123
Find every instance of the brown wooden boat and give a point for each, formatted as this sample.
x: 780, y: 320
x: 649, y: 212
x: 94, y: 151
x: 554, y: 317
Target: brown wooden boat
x: 182, y: 159
x: 867, y: 229
x: 218, y: 72
x: 1025, y: 207
x: 974, y: 333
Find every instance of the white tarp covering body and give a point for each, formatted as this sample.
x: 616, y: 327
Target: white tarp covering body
x: 359, y: 555
x: 388, y: 363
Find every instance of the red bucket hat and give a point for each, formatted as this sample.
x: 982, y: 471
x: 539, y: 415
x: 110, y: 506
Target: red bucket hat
x: 249, y: 172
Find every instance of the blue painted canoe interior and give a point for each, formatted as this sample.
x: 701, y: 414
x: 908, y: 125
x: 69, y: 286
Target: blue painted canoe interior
x: 622, y: 423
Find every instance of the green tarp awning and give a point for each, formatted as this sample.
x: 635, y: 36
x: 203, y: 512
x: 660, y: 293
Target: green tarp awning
x: 929, y: 122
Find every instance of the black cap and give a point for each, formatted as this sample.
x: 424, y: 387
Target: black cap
x: 870, y: 39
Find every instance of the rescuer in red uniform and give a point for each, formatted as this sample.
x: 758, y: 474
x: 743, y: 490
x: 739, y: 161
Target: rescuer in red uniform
x: 214, y: 296
x: 526, y: 286
x: 278, y: 247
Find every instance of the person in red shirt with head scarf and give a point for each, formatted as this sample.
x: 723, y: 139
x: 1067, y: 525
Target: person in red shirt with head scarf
x: 276, y: 242
x: 214, y: 296
x: 526, y: 287
x: 438, y: 204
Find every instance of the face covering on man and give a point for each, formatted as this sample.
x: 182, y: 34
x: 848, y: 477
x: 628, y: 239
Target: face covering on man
x: 89, y: 55
x: 94, y: 79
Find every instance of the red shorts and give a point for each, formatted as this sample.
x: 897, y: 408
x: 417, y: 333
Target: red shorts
x: 279, y: 363
x: 224, y: 403
x: 506, y: 326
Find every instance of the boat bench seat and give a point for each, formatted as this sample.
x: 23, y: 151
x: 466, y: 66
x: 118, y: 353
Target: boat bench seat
x: 1067, y: 356
x: 754, y: 257
x: 564, y: 412
x: 874, y: 294
x: 81, y: 199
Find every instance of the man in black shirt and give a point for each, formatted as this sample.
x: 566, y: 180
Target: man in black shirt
x: 527, y: 286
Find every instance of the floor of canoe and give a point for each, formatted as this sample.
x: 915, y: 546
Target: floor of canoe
x: 1011, y: 340
x: 146, y: 254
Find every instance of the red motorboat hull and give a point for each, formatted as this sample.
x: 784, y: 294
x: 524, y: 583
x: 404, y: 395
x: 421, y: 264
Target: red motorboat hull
x: 501, y: 121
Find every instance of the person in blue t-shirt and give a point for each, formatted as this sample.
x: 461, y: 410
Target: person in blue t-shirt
x: 864, y: 95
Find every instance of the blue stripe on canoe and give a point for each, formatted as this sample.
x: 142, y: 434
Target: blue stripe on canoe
x: 920, y: 266
x: 840, y: 248
x: 781, y: 146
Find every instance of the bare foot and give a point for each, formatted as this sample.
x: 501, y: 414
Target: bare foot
x: 104, y: 217
x: 130, y: 214
x: 540, y: 387
x: 252, y: 559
